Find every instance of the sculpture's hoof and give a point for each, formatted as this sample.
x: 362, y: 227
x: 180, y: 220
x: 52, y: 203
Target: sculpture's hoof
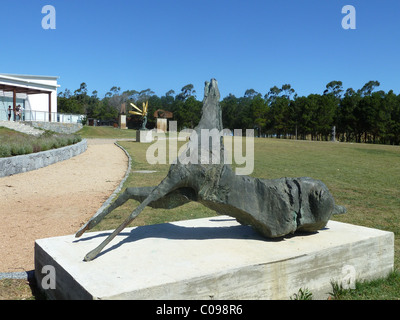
x: 82, y: 230
x: 91, y: 255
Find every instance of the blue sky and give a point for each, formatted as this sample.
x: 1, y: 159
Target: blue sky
x: 167, y: 44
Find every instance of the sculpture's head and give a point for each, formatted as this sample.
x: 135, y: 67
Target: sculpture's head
x: 211, y: 90
x: 209, y: 129
x: 211, y: 117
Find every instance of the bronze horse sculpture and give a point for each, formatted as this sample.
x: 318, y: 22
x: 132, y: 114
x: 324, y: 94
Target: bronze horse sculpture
x: 274, y: 208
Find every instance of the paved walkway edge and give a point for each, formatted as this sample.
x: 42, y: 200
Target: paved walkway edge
x: 119, y: 188
x: 29, y: 274
x: 33, y: 161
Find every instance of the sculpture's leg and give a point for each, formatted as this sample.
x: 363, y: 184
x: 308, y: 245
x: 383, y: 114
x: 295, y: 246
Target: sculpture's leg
x: 101, y: 214
x: 165, y: 187
x: 93, y: 254
x: 172, y: 200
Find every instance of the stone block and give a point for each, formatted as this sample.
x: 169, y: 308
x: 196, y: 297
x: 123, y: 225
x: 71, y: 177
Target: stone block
x: 212, y: 258
x: 144, y: 136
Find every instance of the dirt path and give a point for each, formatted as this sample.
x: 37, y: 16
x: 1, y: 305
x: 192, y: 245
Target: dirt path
x: 55, y: 200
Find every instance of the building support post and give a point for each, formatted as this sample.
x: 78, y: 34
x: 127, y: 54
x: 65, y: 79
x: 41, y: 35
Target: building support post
x: 14, y: 103
x: 49, y: 106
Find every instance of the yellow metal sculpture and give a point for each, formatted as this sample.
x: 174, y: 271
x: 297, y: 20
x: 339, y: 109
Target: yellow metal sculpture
x: 142, y: 113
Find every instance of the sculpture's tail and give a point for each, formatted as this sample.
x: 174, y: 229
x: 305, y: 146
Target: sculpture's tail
x: 339, y: 209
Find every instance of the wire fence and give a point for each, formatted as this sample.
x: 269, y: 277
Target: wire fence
x: 31, y: 115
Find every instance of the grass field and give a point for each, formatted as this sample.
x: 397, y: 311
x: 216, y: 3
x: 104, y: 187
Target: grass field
x: 106, y: 133
x: 364, y: 178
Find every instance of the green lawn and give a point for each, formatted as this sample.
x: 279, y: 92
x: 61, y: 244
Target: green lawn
x: 106, y: 133
x: 364, y: 178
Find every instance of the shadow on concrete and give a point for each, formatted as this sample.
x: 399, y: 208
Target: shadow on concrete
x: 176, y: 232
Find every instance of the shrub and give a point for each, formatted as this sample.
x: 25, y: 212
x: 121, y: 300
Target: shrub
x: 14, y: 143
x: 36, y: 147
x: 5, y: 151
x: 17, y: 149
x: 27, y: 148
x: 45, y: 144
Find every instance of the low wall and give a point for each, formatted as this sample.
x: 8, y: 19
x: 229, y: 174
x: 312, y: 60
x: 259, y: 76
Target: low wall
x: 56, y: 126
x: 34, y: 161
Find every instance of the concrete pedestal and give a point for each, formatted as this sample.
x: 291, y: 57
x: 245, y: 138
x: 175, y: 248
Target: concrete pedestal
x: 213, y: 258
x: 162, y: 125
x: 144, y: 136
x: 122, y: 121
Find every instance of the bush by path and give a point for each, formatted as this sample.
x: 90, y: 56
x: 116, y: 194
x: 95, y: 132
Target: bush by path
x: 13, y: 143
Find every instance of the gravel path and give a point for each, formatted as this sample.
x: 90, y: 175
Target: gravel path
x: 55, y: 200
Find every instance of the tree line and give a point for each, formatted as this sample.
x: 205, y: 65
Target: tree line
x: 184, y: 105
x: 364, y: 115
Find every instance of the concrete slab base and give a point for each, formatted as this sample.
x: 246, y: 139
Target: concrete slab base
x: 212, y: 258
x: 144, y: 136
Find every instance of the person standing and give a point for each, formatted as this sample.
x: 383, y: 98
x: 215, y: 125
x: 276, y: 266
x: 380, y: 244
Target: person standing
x: 9, y: 113
x: 18, y: 113
x: 21, y: 113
